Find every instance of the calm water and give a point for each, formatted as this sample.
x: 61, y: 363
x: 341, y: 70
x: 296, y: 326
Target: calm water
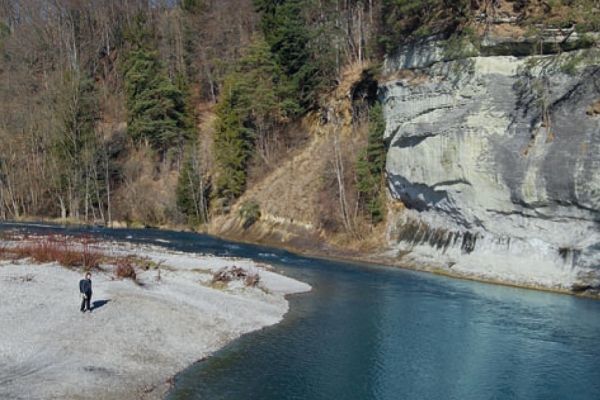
x: 368, y: 332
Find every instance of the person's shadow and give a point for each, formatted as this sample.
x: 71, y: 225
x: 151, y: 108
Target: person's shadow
x: 99, y: 303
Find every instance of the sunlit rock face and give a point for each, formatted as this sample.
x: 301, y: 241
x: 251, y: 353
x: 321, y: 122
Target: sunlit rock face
x: 498, y: 165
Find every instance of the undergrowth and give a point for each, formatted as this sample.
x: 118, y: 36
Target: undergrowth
x: 70, y: 252
x: 67, y: 251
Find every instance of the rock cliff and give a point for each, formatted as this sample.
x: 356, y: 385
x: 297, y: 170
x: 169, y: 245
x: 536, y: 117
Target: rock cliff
x: 496, y: 162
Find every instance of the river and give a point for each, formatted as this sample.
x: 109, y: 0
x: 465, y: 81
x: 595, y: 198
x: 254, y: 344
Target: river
x: 375, y: 332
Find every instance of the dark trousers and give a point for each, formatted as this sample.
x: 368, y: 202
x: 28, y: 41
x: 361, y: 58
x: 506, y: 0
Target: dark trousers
x: 85, y: 302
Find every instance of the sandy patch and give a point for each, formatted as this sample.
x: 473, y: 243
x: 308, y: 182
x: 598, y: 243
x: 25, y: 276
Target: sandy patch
x: 137, y: 337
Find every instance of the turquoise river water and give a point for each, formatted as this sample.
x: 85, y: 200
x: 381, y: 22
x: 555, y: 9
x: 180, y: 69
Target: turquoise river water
x: 373, y: 332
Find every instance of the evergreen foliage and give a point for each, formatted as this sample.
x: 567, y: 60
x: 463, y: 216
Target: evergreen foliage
x: 4, y: 30
x: 402, y: 19
x: 265, y: 98
x: 74, y: 147
x: 157, y: 113
x: 230, y: 148
x: 138, y: 34
x: 288, y: 34
x: 262, y: 86
x: 160, y: 54
x: 250, y: 211
x: 370, y: 167
x: 193, y: 6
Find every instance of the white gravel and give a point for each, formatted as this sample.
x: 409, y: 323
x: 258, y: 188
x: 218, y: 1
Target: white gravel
x: 138, y: 336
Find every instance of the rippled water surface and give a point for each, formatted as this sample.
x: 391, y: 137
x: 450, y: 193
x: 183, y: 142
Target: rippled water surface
x: 368, y: 332
x: 378, y: 333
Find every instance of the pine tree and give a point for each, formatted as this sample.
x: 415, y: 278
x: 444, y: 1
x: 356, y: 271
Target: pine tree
x: 157, y: 114
x: 193, y: 6
x: 264, y: 98
x: 402, y: 19
x: 288, y: 34
x: 370, y: 166
x: 230, y: 148
x: 75, y: 147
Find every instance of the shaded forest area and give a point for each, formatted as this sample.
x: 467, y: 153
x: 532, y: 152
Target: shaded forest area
x: 150, y: 112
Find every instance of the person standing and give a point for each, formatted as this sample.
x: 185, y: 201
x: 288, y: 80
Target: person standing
x: 85, y: 287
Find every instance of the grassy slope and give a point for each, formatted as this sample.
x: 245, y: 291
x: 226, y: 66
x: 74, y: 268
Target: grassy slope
x: 291, y: 196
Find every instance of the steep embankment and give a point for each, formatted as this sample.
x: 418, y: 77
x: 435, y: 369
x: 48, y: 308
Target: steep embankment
x: 294, y: 199
x: 287, y: 198
x: 492, y: 166
x: 496, y: 158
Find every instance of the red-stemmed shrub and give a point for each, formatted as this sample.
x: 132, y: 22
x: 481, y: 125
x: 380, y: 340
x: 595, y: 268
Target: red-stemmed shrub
x: 57, y: 249
x: 125, y: 268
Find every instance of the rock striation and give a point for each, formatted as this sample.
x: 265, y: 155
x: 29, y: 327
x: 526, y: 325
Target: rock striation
x: 496, y: 162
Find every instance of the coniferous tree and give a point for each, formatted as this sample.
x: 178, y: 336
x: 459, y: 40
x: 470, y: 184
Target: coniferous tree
x: 230, y: 148
x: 370, y: 166
x: 74, y: 146
x: 157, y: 114
x: 402, y: 19
x: 288, y: 34
x: 193, y: 6
x: 264, y: 99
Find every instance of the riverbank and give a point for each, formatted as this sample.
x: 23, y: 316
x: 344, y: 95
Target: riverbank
x: 480, y: 268
x: 140, y: 333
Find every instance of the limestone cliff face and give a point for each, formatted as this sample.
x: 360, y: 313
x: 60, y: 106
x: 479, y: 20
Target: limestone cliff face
x: 497, y: 160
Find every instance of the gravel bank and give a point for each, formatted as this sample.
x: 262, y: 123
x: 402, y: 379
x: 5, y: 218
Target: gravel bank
x: 138, y: 336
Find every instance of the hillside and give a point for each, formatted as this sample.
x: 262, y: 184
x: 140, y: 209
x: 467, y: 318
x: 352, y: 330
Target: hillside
x: 490, y: 164
x: 299, y: 199
x: 269, y: 121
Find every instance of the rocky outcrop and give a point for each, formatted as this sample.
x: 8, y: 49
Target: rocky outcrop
x: 497, y: 160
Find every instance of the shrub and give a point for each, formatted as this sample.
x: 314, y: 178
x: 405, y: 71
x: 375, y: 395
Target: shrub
x: 252, y: 280
x: 125, y: 268
x: 4, y: 252
x: 228, y: 274
x: 250, y: 211
x: 90, y: 257
x: 48, y: 250
x: 370, y: 168
x: 91, y: 260
x: 57, y: 249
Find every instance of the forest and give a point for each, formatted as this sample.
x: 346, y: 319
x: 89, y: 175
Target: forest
x: 165, y: 112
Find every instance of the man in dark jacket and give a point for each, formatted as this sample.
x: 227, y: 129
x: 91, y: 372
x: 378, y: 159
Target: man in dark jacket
x: 85, y: 287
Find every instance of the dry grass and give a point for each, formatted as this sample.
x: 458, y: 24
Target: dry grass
x: 300, y: 196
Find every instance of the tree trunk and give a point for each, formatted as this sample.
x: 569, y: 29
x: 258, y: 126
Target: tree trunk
x: 63, y: 208
x: 339, y: 171
x: 2, y: 209
x: 107, y: 179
